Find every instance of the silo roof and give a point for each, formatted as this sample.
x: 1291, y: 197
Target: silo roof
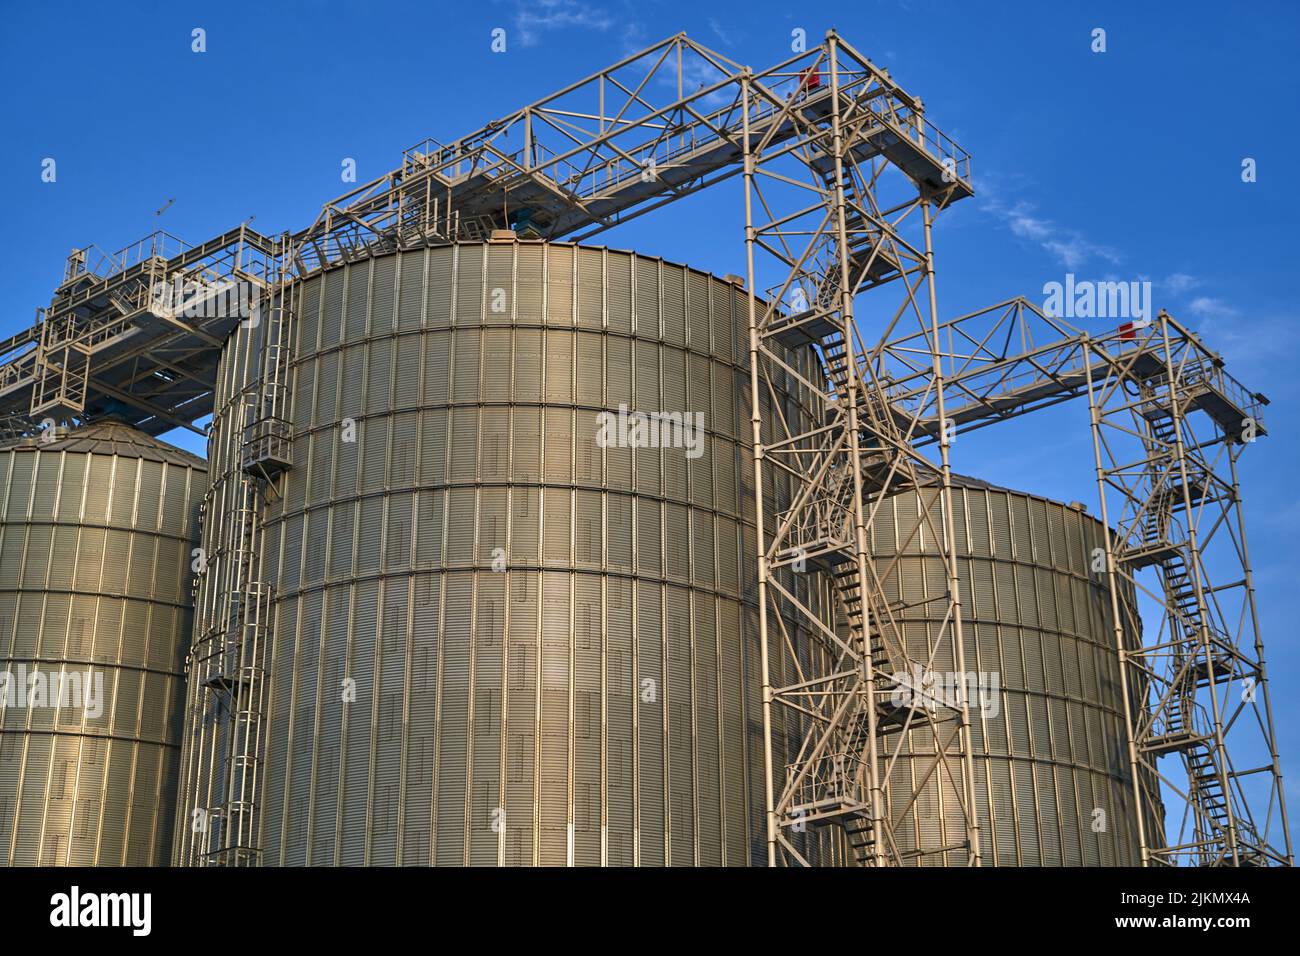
x: 111, y: 438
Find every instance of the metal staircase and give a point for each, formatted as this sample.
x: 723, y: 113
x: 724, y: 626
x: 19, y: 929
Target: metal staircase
x: 865, y: 705
x: 1197, y: 658
x: 859, y: 829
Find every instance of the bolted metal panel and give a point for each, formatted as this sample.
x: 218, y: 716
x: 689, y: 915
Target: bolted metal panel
x: 498, y: 640
x: 96, y: 528
x: 1052, y: 781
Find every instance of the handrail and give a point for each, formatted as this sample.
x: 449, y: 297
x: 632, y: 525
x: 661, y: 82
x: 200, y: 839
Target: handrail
x: 156, y: 245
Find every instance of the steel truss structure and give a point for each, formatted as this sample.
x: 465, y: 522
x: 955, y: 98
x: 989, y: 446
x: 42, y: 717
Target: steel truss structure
x: 1168, y: 426
x: 835, y: 233
x: 135, y: 334
x: 842, y: 178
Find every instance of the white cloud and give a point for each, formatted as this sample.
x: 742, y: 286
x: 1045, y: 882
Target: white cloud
x: 725, y: 36
x: 634, y: 38
x: 1209, y: 307
x: 1180, y: 282
x: 1068, y: 246
x: 1025, y: 225
x: 535, y: 17
x: 1073, y: 250
x: 1257, y: 348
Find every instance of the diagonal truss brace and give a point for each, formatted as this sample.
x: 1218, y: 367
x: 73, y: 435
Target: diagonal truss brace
x: 836, y: 226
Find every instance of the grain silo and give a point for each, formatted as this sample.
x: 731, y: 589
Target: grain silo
x: 499, y: 639
x: 95, y: 538
x: 1052, y: 781
x: 512, y: 607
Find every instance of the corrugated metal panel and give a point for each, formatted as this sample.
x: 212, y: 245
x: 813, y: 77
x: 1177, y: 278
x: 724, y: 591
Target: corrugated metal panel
x: 588, y: 713
x: 603, y: 709
x: 94, y: 598
x: 1035, y: 622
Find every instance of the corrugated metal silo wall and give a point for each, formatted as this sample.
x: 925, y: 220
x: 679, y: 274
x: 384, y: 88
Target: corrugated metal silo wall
x: 94, y: 580
x: 1051, y: 751
x: 593, y: 696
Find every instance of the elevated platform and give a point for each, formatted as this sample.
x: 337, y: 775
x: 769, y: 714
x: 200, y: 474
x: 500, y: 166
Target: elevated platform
x: 611, y: 146
x: 268, y: 448
x: 1151, y: 554
x: 1173, y: 743
x: 135, y: 335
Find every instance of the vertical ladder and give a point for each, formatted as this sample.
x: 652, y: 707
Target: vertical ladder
x: 235, y: 673
x: 263, y: 438
x: 268, y: 434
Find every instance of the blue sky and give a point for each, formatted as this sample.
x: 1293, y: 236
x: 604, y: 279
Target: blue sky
x: 1125, y: 164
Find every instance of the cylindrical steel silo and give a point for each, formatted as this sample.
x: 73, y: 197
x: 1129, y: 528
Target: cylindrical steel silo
x: 96, y: 529
x: 1052, y: 779
x: 514, y: 615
